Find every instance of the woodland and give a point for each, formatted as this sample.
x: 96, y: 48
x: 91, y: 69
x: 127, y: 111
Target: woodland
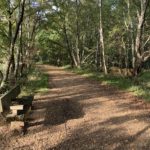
x: 104, y: 36
x: 104, y: 41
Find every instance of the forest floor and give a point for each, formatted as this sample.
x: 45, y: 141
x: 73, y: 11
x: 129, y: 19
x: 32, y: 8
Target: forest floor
x: 77, y: 113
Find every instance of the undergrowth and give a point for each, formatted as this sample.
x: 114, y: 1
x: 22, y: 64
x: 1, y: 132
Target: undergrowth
x: 37, y: 82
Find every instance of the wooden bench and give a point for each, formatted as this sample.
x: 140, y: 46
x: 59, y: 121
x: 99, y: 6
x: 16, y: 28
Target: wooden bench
x: 6, y: 99
x: 15, y: 110
x: 11, y: 106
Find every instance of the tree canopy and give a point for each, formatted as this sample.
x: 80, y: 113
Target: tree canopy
x: 97, y: 34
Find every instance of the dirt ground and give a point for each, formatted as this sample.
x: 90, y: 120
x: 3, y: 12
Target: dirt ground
x: 81, y: 114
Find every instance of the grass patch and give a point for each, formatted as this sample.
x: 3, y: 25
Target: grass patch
x: 37, y: 82
x: 139, y: 86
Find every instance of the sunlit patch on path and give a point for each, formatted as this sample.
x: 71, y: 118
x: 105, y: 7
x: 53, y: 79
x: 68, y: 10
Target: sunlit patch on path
x: 77, y: 113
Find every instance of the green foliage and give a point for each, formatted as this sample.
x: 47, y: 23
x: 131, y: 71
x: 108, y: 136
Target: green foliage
x: 37, y: 82
x: 68, y: 29
x: 116, y: 26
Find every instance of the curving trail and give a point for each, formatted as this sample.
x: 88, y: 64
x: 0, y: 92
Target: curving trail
x: 81, y: 114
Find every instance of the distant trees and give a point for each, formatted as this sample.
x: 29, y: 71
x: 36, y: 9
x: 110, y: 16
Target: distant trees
x: 101, y: 34
x: 97, y: 34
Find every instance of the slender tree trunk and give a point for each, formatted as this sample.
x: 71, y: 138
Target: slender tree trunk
x: 77, y: 35
x: 1, y: 77
x: 13, y: 41
x: 141, y: 19
x: 133, y: 49
x: 10, y: 60
x: 125, y: 53
x: 78, y: 54
x: 131, y: 32
x: 98, y: 55
x: 28, y: 37
x: 102, y: 38
x: 19, y: 50
x: 71, y: 54
x: 10, y: 22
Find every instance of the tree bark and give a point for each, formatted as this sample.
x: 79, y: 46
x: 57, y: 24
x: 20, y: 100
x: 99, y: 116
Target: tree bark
x: 9, y: 22
x: 71, y: 54
x: 77, y: 35
x: 13, y: 41
x: 102, y: 38
x: 97, y: 60
x: 140, y: 57
x: 131, y: 32
x: 1, y: 77
x: 19, y: 50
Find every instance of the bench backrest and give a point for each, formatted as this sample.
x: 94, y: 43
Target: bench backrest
x: 6, y: 99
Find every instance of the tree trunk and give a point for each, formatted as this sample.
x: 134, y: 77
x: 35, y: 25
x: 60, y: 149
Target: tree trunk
x: 78, y: 54
x: 77, y: 35
x: 132, y: 49
x: 10, y: 22
x: 13, y: 41
x: 71, y: 54
x: 97, y: 60
x: 102, y: 38
x: 131, y: 32
x: 19, y: 50
x: 141, y: 19
x: 1, y: 77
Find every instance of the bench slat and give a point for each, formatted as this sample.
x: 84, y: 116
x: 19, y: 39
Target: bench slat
x: 5, y: 100
x: 16, y: 107
x: 1, y: 108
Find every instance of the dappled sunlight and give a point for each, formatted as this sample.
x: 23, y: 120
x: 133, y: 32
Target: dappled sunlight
x: 79, y: 113
x: 105, y: 113
x: 74, y: 75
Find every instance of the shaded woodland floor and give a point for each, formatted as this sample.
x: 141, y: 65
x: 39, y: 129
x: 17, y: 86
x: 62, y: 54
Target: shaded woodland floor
x: 78, y: 113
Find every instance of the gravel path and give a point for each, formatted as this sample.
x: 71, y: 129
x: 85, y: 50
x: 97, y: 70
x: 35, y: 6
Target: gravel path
x: 81, y: 114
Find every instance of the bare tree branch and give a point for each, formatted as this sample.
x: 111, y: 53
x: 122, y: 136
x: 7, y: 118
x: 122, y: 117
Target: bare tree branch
x: 146, y: 56
x: 146, y: 41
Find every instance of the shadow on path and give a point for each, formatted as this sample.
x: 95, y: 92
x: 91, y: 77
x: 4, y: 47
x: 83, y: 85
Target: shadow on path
x: 56, y: 112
